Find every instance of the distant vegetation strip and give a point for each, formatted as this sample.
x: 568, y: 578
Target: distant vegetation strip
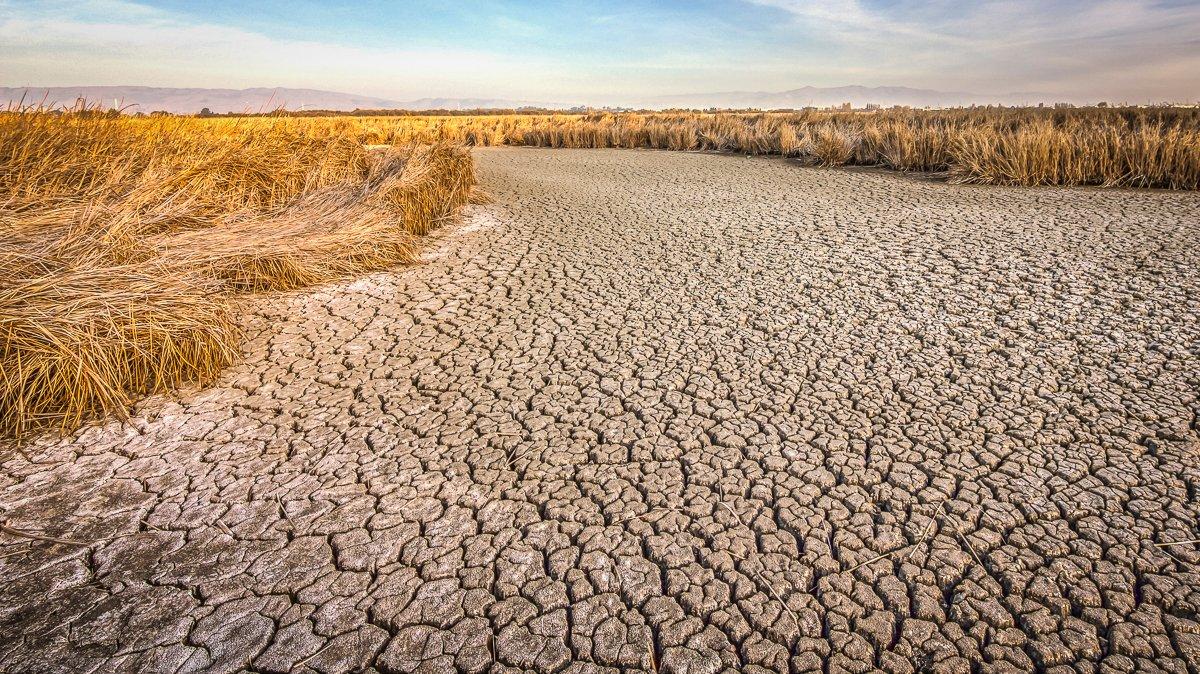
x: 1111, y: 147
x: 125, y: 241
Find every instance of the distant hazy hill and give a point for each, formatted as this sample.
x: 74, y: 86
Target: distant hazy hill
x: 148, y: 99
x: 260, y: 99
x: 857, y: 96
x: 474, y: 104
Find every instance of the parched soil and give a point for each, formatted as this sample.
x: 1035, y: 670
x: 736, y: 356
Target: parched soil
x: 670, y: 412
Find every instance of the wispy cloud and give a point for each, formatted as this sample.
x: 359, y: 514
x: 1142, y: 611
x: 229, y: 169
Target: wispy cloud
x: 117, y: 42
x: 852, y: 22
x: 620, y: 52
x: 517, y: 27
x: 1138, y: 46
x: 992, y: 23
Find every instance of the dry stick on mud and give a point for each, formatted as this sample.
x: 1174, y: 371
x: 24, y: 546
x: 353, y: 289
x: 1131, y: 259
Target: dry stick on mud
x: 876, y: 558
x: 653, y: 657
x: 970, y: 548
x: 21, y: 533
x: 649, y: 512
x: 928, y: 529
x: 758, y: 575
x: 318, y: 652
x: 511, y: 457
x: 914, y: 545
x: 24, y: 548
x: 284, y: 513
x: 147, y: 523
x: 225, y: 529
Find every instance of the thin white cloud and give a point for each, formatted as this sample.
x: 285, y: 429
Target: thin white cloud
x: 116, y: 42
x: 993, y: 23
x: 1117, y: 49
x: 850, y: 21
x: 1139, y: 47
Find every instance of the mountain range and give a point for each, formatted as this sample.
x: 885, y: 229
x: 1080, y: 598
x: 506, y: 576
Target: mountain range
x: 261, y: 99
x: 258, y: 99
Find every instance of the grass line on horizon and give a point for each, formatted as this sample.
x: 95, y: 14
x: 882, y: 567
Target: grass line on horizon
x: 1109, y: 147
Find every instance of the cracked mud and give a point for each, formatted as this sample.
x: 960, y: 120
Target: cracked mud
x: 664, y: 412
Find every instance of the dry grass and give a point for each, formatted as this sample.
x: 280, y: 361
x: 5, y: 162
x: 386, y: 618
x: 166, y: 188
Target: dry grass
x: 1107, y: 147
x: 126, y: 238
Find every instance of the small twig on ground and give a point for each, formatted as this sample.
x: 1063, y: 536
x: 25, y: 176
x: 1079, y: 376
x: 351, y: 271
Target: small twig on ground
x: 283, y: 511
x: 651, y: 511
x: 731, y: 510
x: 928, y: 530
x: 924, y: 537
x: 511, y: 456
x: 1177, y: 560
x: 1000, y: 523
x: 971, y: 549
x: 759, y: 576
x: 24, y: 548
x: 21, y: 533
x: 1170, y: 543
x: 876, y: 558
x: 319, y: 651
x: 782, y: 604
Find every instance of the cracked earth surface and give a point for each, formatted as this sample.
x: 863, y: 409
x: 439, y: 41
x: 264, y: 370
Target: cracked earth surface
x: 664, y: 412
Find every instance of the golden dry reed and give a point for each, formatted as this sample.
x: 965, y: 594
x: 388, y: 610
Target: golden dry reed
x: 122, y: 241
x: 1112, y: 147
x: 123, y: 238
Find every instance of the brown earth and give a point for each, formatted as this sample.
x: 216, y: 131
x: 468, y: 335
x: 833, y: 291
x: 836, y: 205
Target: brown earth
x: 664, y: 411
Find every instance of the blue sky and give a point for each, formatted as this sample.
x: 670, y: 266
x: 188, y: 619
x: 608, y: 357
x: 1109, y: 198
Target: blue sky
x: 609, y: 52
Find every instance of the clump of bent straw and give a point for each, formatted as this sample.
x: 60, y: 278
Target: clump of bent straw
x: 126, y: 239
x: 88, y: 341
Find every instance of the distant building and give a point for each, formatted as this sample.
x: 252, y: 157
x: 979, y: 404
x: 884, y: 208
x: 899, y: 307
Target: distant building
x: 1063, y: 106
x: 872, y: 107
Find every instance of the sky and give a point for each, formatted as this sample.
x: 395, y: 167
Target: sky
x: 611, y: 52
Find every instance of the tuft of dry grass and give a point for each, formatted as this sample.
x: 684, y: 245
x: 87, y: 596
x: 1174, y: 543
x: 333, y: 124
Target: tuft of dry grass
x: 833, y: 145
x: 792, y: 143
x: 334, y: 231
x: 125, y: 240
x: 1044, y: 153
x: 80, y: 342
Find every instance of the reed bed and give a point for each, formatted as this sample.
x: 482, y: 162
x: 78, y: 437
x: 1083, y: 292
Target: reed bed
x: 1111, y: 147
x: 126, y: 240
